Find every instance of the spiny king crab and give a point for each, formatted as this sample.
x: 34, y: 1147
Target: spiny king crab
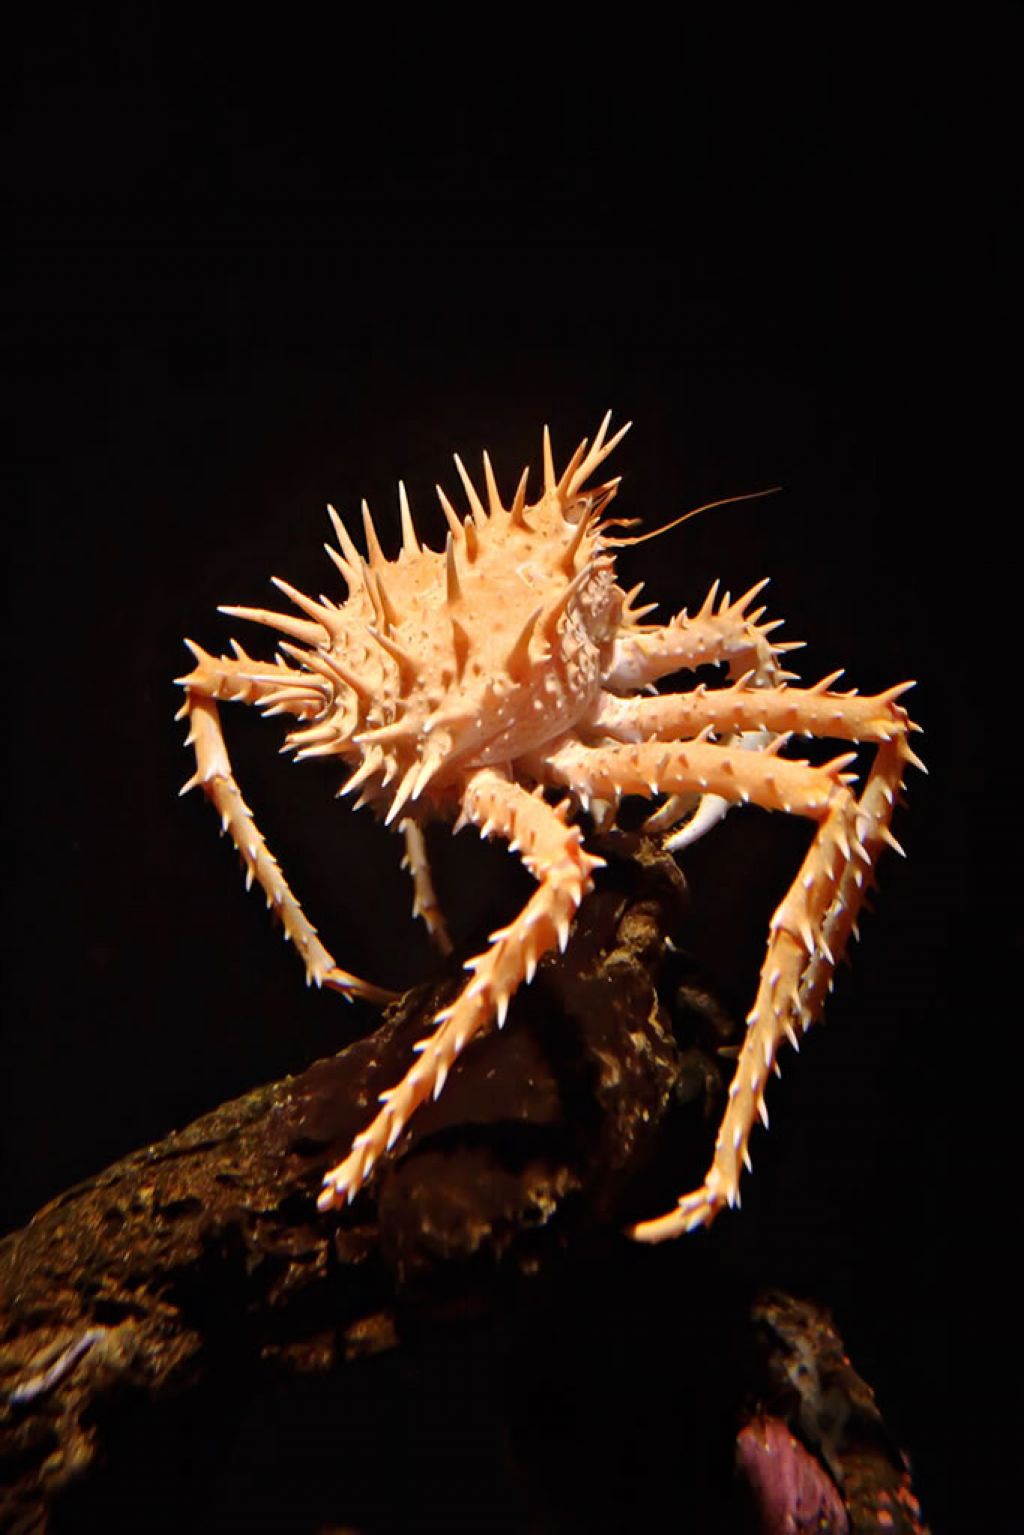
x: 466, y: 684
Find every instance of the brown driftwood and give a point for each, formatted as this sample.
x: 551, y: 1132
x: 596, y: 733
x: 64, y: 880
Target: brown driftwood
x: 186, y: 1343
x: 133, y: 1289
x: 800, y: 1382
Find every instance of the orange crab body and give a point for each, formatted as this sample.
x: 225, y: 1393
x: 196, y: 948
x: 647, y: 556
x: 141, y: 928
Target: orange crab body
x: 467, y: 682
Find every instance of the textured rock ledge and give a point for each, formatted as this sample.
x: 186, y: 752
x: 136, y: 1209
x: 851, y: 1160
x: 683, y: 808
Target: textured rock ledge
x: 186, y: 1342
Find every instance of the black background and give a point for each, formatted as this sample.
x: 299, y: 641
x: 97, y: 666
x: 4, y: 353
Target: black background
x: 259, y: 271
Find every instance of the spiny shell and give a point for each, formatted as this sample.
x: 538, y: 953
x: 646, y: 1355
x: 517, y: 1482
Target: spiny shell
x: 474, y: 655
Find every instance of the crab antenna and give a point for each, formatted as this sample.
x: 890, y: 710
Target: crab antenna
x: 750, y: 495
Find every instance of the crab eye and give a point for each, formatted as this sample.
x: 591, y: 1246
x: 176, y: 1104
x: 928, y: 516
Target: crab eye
x: 578, y: 509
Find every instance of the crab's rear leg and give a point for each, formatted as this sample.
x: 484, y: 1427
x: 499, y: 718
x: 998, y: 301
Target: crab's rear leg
x: 553, y: 853
x: 424, y: 898
x: 214, y: 775
x: 809, y: 928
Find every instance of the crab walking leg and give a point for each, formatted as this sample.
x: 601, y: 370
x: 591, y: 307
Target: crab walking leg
x: 871, y: 825
x: 275, y: 688
x: 729, y: 634
x: 772, y: 711
x: 806, y: 938
x: 808, y: 929
x: 554, y: 854
x: 424, y: 898
x: 813, y: 711
x: 214, y: 775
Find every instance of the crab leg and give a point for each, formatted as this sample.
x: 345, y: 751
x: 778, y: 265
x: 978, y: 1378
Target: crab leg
x: 776, y: 710
x: 275, y: 688
x: 553, y: 853
x: 808, y: 930
x: 214, y: 775
x: 729, y: 634
x: 424, y: 898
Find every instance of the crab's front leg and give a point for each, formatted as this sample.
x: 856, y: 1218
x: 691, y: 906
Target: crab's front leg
x: 247, y: 681
x: 554, y: 854
x: 809, y: 928
x: 728, y: 634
